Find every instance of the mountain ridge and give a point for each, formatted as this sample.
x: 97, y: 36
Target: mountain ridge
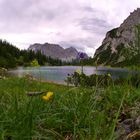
x: 121, y: 45
x: 56, y: 51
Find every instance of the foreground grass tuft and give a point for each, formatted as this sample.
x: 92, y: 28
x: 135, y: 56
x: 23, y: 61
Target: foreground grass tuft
x: 70, y: 114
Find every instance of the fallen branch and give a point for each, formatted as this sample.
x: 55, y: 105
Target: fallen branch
x: 35, y: 93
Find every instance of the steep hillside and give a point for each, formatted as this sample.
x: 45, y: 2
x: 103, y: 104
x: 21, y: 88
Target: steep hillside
x: 121, y: 46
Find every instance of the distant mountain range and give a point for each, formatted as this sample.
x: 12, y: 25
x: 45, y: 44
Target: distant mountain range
x: 121, y: 45
x: 56, y: 51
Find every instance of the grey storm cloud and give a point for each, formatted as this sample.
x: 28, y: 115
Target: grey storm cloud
x: 95, y: 25
x: 78, y: 23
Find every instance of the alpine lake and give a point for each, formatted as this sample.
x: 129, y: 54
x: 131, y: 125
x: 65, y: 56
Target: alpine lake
x: 58, y: 74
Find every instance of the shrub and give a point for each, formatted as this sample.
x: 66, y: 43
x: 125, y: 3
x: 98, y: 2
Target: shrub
x: 83, y: 80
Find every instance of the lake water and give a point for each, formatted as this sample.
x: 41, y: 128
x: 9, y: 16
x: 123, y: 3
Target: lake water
x: 59, y: 73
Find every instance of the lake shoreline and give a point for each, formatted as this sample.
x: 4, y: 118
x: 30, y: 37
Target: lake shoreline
x: 32, y: 78
x: 58, y: 74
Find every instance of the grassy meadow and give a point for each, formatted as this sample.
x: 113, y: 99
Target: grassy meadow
x: 71, y: 113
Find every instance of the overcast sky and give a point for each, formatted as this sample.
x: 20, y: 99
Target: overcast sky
x: 78, y: 23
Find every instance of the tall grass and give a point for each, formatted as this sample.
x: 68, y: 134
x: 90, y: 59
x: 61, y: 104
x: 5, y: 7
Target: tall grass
x: 72, y: 114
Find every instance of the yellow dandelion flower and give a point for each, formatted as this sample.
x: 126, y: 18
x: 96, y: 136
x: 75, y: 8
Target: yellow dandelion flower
x: 45, y: 98
x: 48, y: 96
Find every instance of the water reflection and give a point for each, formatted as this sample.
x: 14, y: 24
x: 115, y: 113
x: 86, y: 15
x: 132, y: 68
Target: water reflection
x: 59, y: 73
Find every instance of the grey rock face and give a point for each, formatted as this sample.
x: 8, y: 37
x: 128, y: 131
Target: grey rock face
x: 120, y: 43
x: 55, y: 51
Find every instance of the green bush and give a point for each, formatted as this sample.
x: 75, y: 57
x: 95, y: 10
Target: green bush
x: 95, y: 80
x: 89, y: 81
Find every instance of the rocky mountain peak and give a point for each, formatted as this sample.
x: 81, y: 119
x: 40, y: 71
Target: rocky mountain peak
x: 121, y: 44
x: 132, y: 20
x: 71, y: 49
x: 55, y: 51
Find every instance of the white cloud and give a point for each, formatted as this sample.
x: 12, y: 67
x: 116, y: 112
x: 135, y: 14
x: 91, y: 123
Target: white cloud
x: 80, y: 23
